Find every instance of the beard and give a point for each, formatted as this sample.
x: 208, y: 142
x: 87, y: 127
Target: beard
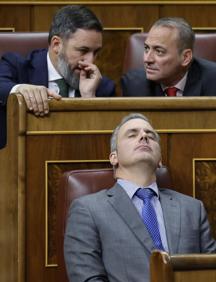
x: 66, y: 72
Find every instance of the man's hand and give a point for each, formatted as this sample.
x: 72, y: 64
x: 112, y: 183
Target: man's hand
x: 90, y: 78
x: 36, y: 98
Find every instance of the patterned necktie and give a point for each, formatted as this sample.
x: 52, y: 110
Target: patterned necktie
x: 63, y: 87
x: 149, y: 216
x: 171, y: 91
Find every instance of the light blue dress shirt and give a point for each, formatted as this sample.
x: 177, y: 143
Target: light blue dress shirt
x: 131, y: 188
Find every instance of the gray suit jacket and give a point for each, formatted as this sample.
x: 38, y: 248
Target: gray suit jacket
x: 106, y: 240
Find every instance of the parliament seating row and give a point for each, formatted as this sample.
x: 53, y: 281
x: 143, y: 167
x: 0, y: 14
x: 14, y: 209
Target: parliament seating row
x: 24, y: 42
x: 39, y: 152
x: 40, y: 43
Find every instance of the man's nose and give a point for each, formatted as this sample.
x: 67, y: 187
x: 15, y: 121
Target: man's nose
x: 89, y: 57
x: 148, y: 56
x: 144, y: 136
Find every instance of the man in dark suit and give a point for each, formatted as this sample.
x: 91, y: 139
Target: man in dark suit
x: 169, y: 64
x: 75, y: 38
x: 107, y: 237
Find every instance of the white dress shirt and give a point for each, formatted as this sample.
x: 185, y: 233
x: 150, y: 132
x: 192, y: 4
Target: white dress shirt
x: 180, y: 86
x: 52, y: 75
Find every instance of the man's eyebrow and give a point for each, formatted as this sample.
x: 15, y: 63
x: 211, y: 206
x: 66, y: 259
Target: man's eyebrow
x: 135, y: 130
x: 130, y: 130
x: 150, y: 131
x: 154, y: 46
x: 87, y: 48
x: 82, y: 47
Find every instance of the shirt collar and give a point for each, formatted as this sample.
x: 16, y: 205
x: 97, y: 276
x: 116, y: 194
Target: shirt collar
x: 52, y: 72
x: 180, y: 85
x: 131, y: 187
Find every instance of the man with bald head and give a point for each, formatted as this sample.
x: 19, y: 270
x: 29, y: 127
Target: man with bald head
x: 170, y: 68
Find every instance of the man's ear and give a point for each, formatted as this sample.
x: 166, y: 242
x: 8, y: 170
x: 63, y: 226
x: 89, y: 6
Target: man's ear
x: 55, y: 44
x: 113, y: 158
x: 187, y: 56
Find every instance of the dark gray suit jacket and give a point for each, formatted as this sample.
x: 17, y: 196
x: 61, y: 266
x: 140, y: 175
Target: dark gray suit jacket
x: 106, y: 240
x: 201, y: 81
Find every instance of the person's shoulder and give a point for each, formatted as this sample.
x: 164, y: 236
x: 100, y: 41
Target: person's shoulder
x: 134, y: 77
x: 135, y: 74
x: 14, y: 56
x: 36, y: 53
x: 180, y: 196
x: 135, y: 84
x: 106, y: 88
x: 107, y: 81
x: 204, y: 64
x: 207, y: 73
x: 93, y: 198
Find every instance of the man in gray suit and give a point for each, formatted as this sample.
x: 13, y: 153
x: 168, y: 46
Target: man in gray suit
x: 168, y: 62
x: 106, y: 238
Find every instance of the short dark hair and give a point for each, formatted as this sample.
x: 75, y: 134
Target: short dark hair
x: 72, y: 17
x: 113, y: 140
x: 186, y: 34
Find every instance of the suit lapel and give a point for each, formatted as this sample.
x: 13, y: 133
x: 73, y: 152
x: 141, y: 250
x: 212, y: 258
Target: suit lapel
x: 38, y: 72
x: 154, y: 89
x: 171, y: 213
x: 158, y: 90
x: 127, y: 211
x: 193, y: 85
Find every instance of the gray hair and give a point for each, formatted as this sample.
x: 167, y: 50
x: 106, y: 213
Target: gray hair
x: 186, y: 34
x: 113, y: 140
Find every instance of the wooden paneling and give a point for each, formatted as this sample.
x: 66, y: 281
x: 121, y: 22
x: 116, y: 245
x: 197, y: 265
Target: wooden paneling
x: 111, y: 57
x: 36, y: 16
x: 187, y: 130
x: 204, y: 184
x: 76, y: 135
x: 16, y: 16
x: 42, y: 16
x: 189, y: 146
x: 186, y: 267
x: 192, y: 14
x: 126, y: 15
x: 110, y: 15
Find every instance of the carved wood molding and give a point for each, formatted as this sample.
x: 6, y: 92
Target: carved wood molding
x: 110, y: 2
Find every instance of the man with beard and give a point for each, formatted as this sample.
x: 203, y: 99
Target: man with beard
x: 75, y: 38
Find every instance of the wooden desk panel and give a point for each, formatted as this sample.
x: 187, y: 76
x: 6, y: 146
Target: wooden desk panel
x: 179, y: 268
x: 76, y: 135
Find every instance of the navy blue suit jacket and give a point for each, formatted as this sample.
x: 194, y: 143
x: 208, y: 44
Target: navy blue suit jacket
x: 15, y: 69
x: 201, y: 81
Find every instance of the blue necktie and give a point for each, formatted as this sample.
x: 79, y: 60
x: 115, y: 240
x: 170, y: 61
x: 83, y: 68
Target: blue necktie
x: 149, y: 216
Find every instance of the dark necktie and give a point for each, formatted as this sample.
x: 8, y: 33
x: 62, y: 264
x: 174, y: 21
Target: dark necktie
x: 63, y: 87
x: 149, y: 216
x: 171, y: 91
